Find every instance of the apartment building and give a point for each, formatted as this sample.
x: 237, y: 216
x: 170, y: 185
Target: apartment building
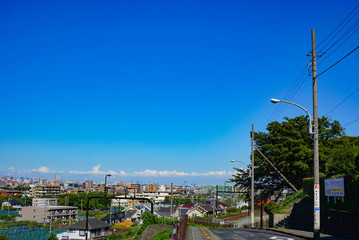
x: 41, y: 190
x: 47, y: 214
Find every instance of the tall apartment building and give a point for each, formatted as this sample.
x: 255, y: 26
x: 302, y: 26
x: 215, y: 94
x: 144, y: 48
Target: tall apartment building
x: 88, y: 185
x: 41, y: 190
x: 152, y: 187
x: 134, y: 187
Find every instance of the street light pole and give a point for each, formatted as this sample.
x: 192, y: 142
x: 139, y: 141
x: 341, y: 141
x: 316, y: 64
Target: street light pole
x: 107, y: 175
x: 251, y: 173
x: 316, y: 229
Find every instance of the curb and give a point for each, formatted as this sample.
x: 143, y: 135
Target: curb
x: 286, y: 232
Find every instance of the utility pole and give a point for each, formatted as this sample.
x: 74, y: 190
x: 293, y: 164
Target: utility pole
x: 316, y: 143
x: 216, y: 198
x: 252, y: 180
x: 171, y: 208
x: 213, y: 206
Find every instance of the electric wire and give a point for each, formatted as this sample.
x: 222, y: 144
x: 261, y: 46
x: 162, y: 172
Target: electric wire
x: 338, y: 61
x: 336, y: 28
x: 351, y: 122
x: 330, y: 37
x: 289, y: 95
x: 341, y: 102
x: 328, y: 55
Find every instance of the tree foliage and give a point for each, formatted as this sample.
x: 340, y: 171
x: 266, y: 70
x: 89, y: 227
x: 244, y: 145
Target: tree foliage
x: 52, y: 236
x: 289, y: 146
x: 344, y: 160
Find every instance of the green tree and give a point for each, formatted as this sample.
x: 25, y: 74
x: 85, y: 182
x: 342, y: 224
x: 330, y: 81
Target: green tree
x: 344, y: 161
x: 289, y: 146
x: 3, y: 237
x: 52, y: 236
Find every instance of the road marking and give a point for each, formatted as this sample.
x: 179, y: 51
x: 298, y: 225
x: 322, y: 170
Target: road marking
x: 280, y: 238
x: 205, y: 233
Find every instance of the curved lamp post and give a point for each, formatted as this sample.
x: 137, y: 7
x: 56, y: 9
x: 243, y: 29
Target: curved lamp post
x: 252, y: 190
x: 273, y: 100
x: 316, y: 214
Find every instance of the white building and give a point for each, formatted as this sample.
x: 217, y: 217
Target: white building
x: 97, y: 229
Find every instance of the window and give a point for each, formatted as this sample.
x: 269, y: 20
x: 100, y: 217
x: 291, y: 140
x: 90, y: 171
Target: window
x: 82, y: 233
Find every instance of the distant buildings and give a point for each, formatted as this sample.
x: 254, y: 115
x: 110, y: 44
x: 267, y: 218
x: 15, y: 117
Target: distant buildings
x: 11, y: 193
x: 88, y: 185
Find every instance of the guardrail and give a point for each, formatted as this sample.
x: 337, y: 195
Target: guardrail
x: 298, y: 195
x: 180, y: 230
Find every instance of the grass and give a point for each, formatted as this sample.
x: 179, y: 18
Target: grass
x: 164, y: 235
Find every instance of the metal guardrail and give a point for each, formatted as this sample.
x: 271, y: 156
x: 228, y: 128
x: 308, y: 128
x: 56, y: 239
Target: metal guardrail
x: 179, y: 232
x: 298, y: 195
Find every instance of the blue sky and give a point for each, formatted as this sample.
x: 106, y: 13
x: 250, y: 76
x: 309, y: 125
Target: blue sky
x: 159, y: 91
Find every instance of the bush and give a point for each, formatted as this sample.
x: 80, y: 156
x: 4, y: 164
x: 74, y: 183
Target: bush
x: 233, y: 210
x: 163, y: 235
x: 272, y: 207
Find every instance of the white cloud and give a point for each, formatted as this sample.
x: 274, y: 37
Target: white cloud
x: 43, y: 170
x: 11, y: 169
x: 96, y: 171
x: 154, y: 173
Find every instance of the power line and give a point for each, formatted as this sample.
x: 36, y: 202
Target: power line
x: 351, y: 122
x: 342, y: 102
x: 353, y: 28
x: 337, y: 28
x: 338, y: 61
x: 289, y: 95
x: 328, y: 55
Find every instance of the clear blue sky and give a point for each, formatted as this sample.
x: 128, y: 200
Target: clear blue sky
x: 152, y: 89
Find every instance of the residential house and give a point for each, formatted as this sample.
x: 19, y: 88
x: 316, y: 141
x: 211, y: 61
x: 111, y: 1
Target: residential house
x: 114, y: 217
x: 97, y: 229
x: 12, y: 203
x: 200, y: 211
x: 134, y: 213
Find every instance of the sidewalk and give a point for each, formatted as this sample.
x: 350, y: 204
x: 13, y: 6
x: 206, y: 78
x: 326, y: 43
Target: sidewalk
x: 303, y: 234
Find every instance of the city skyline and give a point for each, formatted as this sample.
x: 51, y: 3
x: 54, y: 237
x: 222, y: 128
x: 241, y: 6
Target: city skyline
x: 161, y: 91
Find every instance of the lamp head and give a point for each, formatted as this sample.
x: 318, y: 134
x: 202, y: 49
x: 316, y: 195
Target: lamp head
x: 232, y: 160
x: 273, y: 100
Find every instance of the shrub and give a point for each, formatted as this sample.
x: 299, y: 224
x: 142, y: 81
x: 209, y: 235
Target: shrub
x: 272, y: 207
x: 233, y: 210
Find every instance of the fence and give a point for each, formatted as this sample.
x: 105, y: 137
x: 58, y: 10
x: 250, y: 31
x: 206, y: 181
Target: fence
x: 179, y: 232
x: 28, y: 233
x: 299, y: 195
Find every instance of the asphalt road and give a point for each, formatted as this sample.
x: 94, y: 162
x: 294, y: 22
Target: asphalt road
x: 197, y: 233
x: 241, y: 234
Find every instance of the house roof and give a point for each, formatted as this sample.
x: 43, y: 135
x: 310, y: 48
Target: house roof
x: 14, y: 202
x: 93, y: 223
x: 202, y: 208
x: 130, y: 213
x: 163, y: 214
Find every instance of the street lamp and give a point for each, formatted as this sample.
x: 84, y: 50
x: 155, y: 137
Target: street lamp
x: 251, y: 172
x: 316, y: 216
x: 273, y: 100
x: 107, y: 175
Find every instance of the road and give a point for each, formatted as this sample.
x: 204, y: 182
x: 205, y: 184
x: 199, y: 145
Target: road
x: 196, y: 233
